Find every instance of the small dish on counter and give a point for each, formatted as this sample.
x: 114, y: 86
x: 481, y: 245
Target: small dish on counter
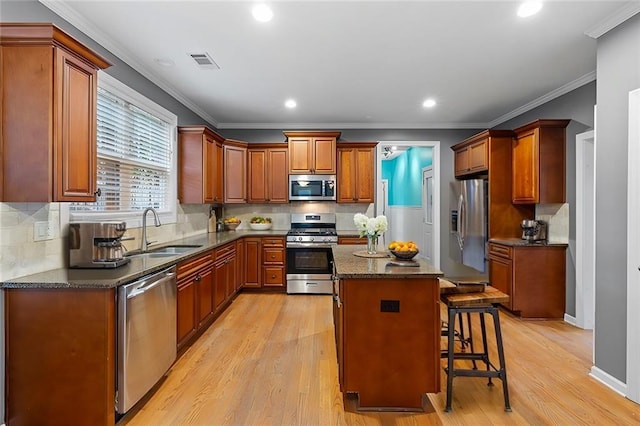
x: 260, y: 226
x: 405, y: 255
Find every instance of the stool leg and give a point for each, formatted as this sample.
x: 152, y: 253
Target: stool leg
x: 450, y: 349
x: 503, y: 367
x: 485, y: 348
x: 470, y: 339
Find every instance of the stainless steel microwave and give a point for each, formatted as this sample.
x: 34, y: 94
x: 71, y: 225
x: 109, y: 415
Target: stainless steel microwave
x: 312, y: 187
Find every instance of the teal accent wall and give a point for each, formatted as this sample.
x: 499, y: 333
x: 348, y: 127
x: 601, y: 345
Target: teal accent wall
x: 404, y: 174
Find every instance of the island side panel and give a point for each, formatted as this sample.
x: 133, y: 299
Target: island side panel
x: 391, y: 358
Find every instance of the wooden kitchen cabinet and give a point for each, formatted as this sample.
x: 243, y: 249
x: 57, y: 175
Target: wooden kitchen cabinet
x: 533, y: 275
x: 504, y: 217
x: 225, y: 274
x: 235, y: 172
x: 273, y: 261
x: 352, y: 240
x: 253, y: 262
x: 356, y: 172
x: 60, y: 356
x: 240, y: 262
x: 195, y: 298
x: 200, y: 165
x: 471, y: 157
x: 267, y: 168
x: 48, y: 104
x: 538, y: 172
x: 312, y: 152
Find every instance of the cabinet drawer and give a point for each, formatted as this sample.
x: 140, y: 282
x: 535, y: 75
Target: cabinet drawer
x: 352, y: 239
x: 273, y: 255
x: 500, y: 251
x: 225, y: 250
x: 273, y: 242
x: 273, y: 276
x: 190, y: 266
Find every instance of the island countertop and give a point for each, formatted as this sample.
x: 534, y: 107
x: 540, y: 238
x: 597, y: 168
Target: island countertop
x: 348, y: 265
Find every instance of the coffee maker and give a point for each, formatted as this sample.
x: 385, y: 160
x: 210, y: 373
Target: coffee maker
x: 96, y: 245
x: 534, y: 230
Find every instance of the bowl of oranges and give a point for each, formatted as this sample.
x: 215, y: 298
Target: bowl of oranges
x: 231, y: 223
x: 404, y: 250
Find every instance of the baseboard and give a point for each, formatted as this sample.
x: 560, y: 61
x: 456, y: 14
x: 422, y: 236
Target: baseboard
x: 571, y: 320
x: 609, y: 381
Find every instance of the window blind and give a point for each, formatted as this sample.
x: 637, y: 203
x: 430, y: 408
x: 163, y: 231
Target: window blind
x: 134, y: 158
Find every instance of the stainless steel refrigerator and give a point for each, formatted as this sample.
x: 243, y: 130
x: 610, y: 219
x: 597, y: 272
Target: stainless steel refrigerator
x: 472, y: 223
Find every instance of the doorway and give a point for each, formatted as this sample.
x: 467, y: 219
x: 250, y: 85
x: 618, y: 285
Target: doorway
x: 411, y: 218
x: 585, y: 230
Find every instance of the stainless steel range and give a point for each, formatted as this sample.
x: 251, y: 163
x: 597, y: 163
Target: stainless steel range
x: 309, y: 257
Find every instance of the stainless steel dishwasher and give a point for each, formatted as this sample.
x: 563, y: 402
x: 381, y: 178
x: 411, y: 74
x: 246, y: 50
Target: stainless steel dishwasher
x: 146, y: 335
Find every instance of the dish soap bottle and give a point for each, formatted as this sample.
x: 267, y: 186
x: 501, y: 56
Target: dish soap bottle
x: 211, y: 224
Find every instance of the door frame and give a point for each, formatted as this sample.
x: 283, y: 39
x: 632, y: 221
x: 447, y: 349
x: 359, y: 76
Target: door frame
x: 435, y: 162
x: 425, y: 171
x: 633, y: 249
x: 585, y: 231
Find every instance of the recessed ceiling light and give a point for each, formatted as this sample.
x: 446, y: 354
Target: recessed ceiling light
x: 290, y: 103
x: 429, y: 103
x: 165, y: 62
x: 529, y: 8
x: 394, y: 148
x: 262, y: 13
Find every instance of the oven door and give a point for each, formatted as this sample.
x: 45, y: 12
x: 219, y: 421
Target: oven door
x: 309, y: 268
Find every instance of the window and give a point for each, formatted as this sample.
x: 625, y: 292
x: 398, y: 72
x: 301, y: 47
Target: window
x: 136, y: 162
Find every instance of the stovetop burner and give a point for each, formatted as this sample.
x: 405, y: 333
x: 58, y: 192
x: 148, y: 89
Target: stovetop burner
x: 312, y: 231
x: 313, y: 228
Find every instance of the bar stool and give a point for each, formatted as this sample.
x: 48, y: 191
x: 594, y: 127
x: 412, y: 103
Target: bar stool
x: 481, y: 303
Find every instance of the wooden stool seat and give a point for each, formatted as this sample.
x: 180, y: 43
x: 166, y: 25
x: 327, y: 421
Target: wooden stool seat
x: 482, y: 303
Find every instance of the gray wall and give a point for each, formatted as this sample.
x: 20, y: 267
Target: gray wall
x: 618, y: 73
x: 33, y: 11
x: 577, y: 106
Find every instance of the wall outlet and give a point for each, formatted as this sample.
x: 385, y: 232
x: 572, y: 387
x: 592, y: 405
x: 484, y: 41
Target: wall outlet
x: 43, y: 231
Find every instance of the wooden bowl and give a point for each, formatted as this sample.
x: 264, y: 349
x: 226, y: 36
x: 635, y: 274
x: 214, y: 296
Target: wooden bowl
x: 404, y: 255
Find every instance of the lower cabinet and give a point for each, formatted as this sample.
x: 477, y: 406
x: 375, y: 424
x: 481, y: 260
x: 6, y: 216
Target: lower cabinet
x: 195, y: 296
x: 225, y: 274
x: 532, y: 275
x: 253, y: 262
x: 273, y: 259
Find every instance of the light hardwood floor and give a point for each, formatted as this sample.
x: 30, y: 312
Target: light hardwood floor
x: 270, y: 360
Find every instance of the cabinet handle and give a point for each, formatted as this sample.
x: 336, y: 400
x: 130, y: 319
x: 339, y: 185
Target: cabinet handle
x: 98, y: 192
x: 198, y: 278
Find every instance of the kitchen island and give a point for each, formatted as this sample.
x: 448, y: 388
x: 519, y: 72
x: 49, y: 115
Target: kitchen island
x: 387, y: 328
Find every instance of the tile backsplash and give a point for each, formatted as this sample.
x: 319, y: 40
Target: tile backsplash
x: 20, y: 255
x: 557, y: 218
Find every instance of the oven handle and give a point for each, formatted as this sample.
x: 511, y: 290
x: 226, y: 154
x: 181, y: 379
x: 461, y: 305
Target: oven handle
x: 308, y: 245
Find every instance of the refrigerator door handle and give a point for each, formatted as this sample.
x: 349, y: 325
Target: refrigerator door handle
x: 461, y: 220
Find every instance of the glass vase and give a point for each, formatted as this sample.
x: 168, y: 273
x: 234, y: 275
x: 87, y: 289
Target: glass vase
x: 372, y: 241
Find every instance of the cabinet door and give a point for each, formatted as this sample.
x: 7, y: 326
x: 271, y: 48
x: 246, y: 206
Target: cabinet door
x: 461, y: 161
x: 501, y: 276
x: 240, y: 264
x: 221, y: 279
x: 218, y: 194
x: 525, y: 168
x: 204, y: 286
x: 347, y: 170
x: 209, y: 169
x: 186, y: 305
x: 365, y: 177
x: 324, y: 156
x: 75, y: 139
x: 257, y: 176
x: 300, y: 155
x: 278, y: 188
x: 479, y: 156
x: 273, y: 276
x: 235, y: 165
x: 253, y: 278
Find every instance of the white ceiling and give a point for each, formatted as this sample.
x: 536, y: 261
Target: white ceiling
x: 355, y: 64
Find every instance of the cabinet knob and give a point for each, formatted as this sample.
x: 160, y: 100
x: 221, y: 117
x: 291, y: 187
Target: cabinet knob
x: 98, y: 192
x: 273, y: 276
x: 198, y: 278
x: 273, y: 257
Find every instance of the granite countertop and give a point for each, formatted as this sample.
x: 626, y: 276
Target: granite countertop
x: 348, y: 265
x: 519, y: 242
x: 138, y: 266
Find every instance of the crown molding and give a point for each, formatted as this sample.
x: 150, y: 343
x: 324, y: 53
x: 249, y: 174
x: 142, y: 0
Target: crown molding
x: 562, y: 90
x: 334, y: 126
x: 613, y: 20
x: 63, y: 9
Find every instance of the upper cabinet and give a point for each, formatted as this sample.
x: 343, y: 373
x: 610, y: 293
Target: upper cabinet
x: 471, y: 157
x: 312, y: 152
x: 503, y: 216
x: 267, y: 170
x: 356, y: 172
x: 48, y: 93
x: 235, y: 172
x: 200, y: 165
x: 538, y: 171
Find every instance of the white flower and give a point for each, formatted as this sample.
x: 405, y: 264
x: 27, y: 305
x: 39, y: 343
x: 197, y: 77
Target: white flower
x: 370, y: 226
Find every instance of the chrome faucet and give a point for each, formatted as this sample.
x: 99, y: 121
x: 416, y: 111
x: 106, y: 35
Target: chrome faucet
x: 146, y: 243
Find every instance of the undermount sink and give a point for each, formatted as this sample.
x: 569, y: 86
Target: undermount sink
x: 165, y: 251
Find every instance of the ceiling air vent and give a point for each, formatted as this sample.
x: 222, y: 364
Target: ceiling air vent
x: 204, y: 61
